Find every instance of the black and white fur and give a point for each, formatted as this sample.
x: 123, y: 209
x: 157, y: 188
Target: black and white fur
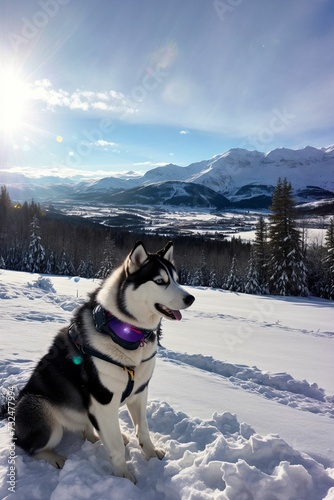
x: 86, y: 397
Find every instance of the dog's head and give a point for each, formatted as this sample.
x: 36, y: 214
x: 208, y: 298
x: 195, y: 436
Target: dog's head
x: 145, y: 288
x: 154, y: 277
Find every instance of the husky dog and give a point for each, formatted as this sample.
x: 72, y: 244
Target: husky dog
x: 104, y: 359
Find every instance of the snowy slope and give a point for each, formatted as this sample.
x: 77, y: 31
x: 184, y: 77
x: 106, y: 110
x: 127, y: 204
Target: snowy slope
x: 241, y: 399
x: 170, y: 194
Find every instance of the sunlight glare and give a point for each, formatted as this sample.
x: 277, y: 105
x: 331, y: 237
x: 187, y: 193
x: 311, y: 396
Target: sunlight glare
x: 13, y: 98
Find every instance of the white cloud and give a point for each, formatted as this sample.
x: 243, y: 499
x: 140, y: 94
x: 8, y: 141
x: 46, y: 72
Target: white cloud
x: 142, y: 163
x: 102, y: 95
x: 112, y: 101
x: 77, y: 103
x: 44, y: 83
x: 100, y: 105
x: 184, y: 132
x: 67, y: 172
x: 149, y: 164
x: 104, y: 144
x: 43, y: 91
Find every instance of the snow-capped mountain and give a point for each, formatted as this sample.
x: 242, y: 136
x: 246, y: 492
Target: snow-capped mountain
x: 171, y: 193
x: 238, y: 174
x: 232, y: 171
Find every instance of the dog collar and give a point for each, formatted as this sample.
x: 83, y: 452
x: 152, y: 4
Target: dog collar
x: 127, y: 336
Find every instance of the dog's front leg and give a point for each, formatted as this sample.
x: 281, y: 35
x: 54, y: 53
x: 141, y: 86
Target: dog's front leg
x: 137, y: 410
x: 109, y: 430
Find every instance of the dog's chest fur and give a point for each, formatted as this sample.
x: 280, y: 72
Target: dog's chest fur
x: 116, y: 379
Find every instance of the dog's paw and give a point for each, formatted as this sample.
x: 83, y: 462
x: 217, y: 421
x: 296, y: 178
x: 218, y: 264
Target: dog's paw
x: 130, y: 476
x: 126, y: 440
x: 91, y: 437
x: 159, y: 453
x: 154, y: 453
x: 53, y: 458
x: 59, y: 462
x: 124, y: 472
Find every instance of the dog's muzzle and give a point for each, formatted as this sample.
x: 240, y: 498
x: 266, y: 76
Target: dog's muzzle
x: 175, y: 314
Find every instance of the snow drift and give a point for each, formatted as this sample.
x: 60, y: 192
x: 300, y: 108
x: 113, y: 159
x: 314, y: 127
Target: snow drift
x: 200, y: 401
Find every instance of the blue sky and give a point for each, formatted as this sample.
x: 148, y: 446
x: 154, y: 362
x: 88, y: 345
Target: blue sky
x: 102, y: 86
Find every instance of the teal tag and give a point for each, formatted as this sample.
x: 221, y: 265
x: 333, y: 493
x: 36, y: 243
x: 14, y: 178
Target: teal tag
x: 77, y: 360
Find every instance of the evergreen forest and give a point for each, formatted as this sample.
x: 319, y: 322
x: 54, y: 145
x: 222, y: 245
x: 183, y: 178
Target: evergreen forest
x: 279, y: 261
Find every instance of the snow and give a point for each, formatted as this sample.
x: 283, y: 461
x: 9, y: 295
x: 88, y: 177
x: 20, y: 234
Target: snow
x: 228, y: 172
x: 241, y: 399
x: 225, y: 173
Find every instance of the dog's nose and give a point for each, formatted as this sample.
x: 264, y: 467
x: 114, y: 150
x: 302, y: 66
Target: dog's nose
x: 188, y: 300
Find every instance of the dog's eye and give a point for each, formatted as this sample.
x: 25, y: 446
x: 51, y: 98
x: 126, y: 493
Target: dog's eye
x: 159, y: 281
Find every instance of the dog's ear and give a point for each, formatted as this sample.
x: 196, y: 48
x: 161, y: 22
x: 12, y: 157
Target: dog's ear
x: 167, y: 252
x: 137, y: 257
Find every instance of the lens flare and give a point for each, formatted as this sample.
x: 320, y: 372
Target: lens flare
x: 14, y: 95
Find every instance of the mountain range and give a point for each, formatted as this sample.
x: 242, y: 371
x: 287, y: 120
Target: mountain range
x: 238, y: 177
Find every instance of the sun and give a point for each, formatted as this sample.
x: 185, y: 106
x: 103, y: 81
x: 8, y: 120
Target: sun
x: 14, y: 94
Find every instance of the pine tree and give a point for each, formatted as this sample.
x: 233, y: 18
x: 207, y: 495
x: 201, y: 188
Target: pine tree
x: 71, y: 268
x: 81, y: 269
x: 329, y: 261
x: 204, y: 273
x: 89, y: 268
x: 108, y: 259
x: 35, y: 257
x: 200, y: 277
x: 2, y: 262
x: 15, y: 259
x: 183, y: 274
x: 233, y: 282
x: 63, y: 268
x: 287, y: 266
x: 213, y: 282
x: 85, y: 269
x: 25, y: 262
x: 252, y: 284
x: 197, y: 279
x: 261, y: 254
x: 5, y: 211
x: 316, y: 269
x: 189, y: 278
x: 50, y: 267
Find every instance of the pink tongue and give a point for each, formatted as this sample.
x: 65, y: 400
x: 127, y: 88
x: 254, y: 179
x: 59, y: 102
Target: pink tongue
x: 177, y: 315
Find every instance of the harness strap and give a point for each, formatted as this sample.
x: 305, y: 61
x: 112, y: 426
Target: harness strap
x: 97, y: 354
x: 131, y: 383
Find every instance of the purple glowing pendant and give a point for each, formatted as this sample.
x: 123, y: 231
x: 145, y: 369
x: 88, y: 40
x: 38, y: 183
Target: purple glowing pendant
x: 125, y: 331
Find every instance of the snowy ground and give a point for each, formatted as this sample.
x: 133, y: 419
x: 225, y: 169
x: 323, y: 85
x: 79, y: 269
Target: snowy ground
x: 241, y: 400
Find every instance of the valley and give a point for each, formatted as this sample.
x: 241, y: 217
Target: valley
x: 216, y: 198
x: 171, y: 222
x: 166, y: 221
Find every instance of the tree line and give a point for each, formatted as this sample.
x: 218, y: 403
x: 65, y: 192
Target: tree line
x: 281, y: 261
x: 278, y: 262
